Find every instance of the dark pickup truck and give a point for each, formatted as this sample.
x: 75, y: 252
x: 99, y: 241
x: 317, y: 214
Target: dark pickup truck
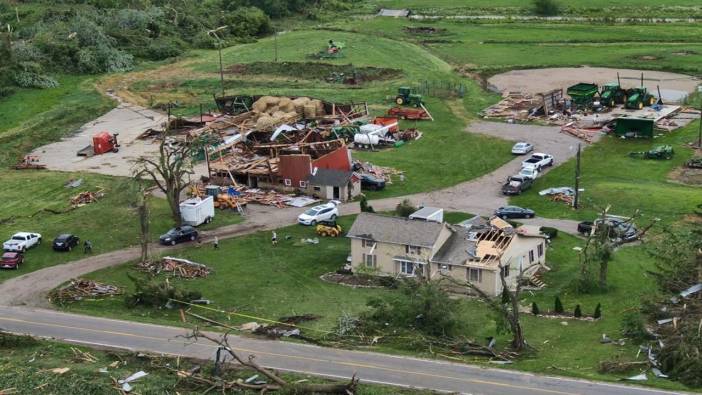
x: 516, y: 185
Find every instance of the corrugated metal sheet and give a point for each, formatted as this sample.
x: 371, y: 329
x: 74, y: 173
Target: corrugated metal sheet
x: 295, y: 168
x: 340, y: 159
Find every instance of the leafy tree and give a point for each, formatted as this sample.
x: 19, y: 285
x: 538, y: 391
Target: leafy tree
x: 365, y: 208
x: 405, y: 208
x: 632, y: 327
x: 545, y: 7
x: 675, y: 258
x: 420, y: 306
x: 158, y: 294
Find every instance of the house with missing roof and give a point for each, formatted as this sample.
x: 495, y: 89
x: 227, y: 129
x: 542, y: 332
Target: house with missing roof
x: 474, y: 252
x: 333, y: 184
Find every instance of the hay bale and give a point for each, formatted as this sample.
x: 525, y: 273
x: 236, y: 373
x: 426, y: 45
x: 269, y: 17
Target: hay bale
x: 272, y: 109
x: 310, y: 111
x: 299, y: 105
x: 291, y: 115
x: 264, y: 122
x: 279, y: 115
x: 319, y: 107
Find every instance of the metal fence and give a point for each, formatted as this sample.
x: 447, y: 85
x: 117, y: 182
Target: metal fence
x: 441, y: 89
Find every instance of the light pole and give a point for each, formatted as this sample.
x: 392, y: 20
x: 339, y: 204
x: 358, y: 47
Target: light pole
x: 576, y: 199
x: 213, y: 33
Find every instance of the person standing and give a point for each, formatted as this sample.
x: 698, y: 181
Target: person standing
x: 274, y: 238
x: 216, y: 243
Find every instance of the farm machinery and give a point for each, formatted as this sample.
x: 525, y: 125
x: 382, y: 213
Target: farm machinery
x: 405, y: 100
x: 657, y: 152
x: 583, y: 94
x: 328, y: 229
x: 334, y: 50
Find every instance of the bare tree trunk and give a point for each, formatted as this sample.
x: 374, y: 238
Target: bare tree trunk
x: 604, y: 267
x: 143, y: 210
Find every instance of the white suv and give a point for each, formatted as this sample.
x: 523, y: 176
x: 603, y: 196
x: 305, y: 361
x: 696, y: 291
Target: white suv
x: 324, y: 212
x: 22, y: 241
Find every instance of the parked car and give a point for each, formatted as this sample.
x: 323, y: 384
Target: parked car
x: 22, y: 241
x: 522, y: 148
x: 179, y: 235
x: 619, y: 228
x: 324, y: 212
x: 65, y: 242
x: 516, y: 185
x: 529, y: 172
x: 539, y: 161
x: 371, y: 182
x: 514, y: 212
x: 11, y: 260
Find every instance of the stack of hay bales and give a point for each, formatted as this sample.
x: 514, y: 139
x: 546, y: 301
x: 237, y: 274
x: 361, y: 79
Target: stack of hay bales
x: 271, y: 111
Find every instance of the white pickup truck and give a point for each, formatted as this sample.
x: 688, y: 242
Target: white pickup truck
x: 538, y: 161
x: 22, y: 241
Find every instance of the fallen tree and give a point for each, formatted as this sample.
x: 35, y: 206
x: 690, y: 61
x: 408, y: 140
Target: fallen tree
x: 277, y: 383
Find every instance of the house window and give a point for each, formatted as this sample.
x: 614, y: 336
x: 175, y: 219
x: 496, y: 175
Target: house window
x: 413, y: 250
x: 475, y: 275
x: 444, y: 268
x: 287, y: 182
x: 540, y: 249
x: 370, y: 260
x: 531, y: 256
x: 505, y: 271
x: 303, y: 184
x: 407, y: 268
x: 366, y: 243
x: 317, y: 189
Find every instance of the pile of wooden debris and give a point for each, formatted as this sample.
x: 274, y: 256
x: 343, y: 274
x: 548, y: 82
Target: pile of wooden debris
x: 176, y: 267
x: 80, y: 288
x: 87, y: 197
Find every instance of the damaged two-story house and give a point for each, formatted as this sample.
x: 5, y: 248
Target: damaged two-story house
x: 433, y: 249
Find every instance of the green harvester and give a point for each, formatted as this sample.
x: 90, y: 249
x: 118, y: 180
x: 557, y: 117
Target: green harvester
x: 583, y: 94
x: 405, y: 97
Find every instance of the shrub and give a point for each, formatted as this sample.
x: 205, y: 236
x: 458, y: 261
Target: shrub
x: 558, y: 306
x: 535, y: 308
x: 6, y: 91
x: 405, y: 208
x: 247, y: 22
x: 598, y: 312
x: 545, y: 7
x: 153, y: 293
x: 27, y: 79
x: 365, y: 208
x: 162, y: 49
x: 577, y: 313
x: 632, y: 327
x: 551, y: 233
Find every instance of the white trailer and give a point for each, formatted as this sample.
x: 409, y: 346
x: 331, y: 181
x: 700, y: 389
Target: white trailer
x: 197, y: 211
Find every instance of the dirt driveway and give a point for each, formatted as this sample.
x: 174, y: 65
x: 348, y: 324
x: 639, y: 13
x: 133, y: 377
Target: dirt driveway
x: 541, y: 80
x: 126, y: 119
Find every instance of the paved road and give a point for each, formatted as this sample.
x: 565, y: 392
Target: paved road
x: 370, y: 367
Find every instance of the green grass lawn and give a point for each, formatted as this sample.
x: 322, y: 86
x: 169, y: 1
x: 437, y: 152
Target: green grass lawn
x: 34, y: 117
x: 110, y: 224
x: 611, y: 177
x: 255, y: 279
x: 27, y: 365
x: 601, y: 8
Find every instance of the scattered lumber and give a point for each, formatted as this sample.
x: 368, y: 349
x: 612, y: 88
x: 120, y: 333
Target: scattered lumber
x: 80, y: 288
x: 175, y: 267
x: 87, y: 197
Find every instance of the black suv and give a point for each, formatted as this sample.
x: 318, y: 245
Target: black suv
x: 179, y: 235
x: 370, y: 182
x: 65, y: 242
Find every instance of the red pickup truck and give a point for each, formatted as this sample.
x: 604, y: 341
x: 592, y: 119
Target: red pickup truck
x: 11, y: 260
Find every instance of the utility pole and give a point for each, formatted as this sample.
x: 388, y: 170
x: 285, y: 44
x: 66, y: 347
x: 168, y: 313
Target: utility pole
x: 576, y: 199
x: 213, y: 33
x: 275, y: 44
x: 699, y: 136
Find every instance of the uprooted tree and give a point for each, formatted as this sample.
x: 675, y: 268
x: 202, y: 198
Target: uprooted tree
x: 170, y: 170
x: 277, y: 383
x: 599, y: 248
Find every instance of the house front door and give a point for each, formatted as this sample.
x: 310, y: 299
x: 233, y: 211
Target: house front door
x: 336, y: 193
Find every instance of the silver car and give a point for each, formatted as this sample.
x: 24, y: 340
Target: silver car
x: 522, y: 148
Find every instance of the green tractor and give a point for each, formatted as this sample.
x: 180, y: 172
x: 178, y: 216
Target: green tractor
x: 405, y: 97
x: 657, y: 152
x: 638, y: 98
